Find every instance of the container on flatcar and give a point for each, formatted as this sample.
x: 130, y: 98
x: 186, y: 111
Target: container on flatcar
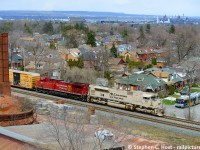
x: 23, y: 79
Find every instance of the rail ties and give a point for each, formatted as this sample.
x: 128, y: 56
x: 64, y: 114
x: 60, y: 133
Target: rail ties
x: 116, y: 111
x: 182, y: 120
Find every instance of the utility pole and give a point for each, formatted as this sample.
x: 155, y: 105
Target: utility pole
x: 189, y: 78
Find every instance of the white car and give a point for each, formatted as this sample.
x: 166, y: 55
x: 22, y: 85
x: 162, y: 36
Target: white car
x: 103, y: 134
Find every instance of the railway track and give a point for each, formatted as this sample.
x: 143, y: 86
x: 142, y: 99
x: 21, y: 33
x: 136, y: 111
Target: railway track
x: 170, y: 121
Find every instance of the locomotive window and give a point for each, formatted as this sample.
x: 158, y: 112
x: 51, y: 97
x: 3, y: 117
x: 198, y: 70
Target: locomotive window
x: 102, y: 90
x: 146, y: 98
x: 153, y: 98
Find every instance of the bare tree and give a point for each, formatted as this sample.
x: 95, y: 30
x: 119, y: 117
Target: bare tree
x: 184, y: 42
x: 36, y: 51
x: 80, y: 75
x: 72, y: 131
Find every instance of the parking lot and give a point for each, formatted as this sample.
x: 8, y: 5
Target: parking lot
x: 171, y: 110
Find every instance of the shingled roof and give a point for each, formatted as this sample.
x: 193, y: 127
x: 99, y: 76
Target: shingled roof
x: 145, y: 81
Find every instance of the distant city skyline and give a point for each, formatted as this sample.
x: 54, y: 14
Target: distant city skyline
x: 147, y: 7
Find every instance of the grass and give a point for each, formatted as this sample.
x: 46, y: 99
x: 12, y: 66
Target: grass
x: 151, y: 132
x: 168, y: 102
x: 193, y: 89
x: 176, y: 96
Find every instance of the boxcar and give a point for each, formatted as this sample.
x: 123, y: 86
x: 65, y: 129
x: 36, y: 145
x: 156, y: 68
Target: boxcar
x: 23, y: 79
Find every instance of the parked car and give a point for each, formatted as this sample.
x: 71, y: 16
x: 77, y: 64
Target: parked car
x: 103, y: 134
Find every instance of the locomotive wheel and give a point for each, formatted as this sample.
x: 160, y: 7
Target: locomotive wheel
x: 88, y: 99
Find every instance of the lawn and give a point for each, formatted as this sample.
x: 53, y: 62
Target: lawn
x: 193, y: 89
x: 168, y: 102
x: 171, y: 100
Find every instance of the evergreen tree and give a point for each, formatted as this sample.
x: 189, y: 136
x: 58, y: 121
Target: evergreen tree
x: 52, y: 45
x: 148, y: 28
x: 91, y: 39
x: 28, y: 29
x: 154, y: 61
x: 172, y: 29
x: 142, y: 35
x: 113, y: 50
x: 80, y: 63
x: 48, y: 28
x: 77, y: 26
x: 125, y: 33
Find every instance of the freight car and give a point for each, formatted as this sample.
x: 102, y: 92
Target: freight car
x: 72, y: 90
x: 23, y: 79
x: 133, y: 100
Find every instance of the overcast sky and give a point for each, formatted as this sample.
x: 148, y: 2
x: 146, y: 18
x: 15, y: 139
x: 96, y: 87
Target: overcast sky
x: 151, y: 7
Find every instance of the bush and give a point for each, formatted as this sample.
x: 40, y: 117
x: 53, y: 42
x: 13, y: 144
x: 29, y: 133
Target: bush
x: 161, y: 95
x: 195, y: 85
x: 171, y: 90
x: 154, y: 61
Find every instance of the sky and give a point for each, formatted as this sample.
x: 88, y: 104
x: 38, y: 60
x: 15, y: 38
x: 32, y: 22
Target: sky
x: 148, y: 7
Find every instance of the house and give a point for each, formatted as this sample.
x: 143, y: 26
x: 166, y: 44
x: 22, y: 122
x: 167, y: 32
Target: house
x: 145, y: 54
x: 124, y: 47
x: 131, y: 55
x: 16, y: 61
x: 89, y: 59
x: 117, y: 65
x: 47, y: 64
x: 70, y: 54
x: 73, y: 54
x: 169, y: 76
x: 142, y: 82
x: 116, y: 61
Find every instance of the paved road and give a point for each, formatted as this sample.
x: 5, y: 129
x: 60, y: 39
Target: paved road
x: 171, y: 110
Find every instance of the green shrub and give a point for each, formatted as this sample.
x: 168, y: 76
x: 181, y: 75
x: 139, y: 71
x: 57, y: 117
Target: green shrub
x: 195, y: 85
x: 171, y: 90
x: 161, y: 95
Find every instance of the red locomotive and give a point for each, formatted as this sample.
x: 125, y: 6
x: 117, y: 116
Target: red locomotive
x: 73, y: 90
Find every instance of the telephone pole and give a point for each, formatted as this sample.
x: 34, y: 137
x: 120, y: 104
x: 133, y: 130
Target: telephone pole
x: 189, y: 72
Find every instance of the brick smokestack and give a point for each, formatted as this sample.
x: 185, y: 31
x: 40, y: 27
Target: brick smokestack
x: 4, y: 69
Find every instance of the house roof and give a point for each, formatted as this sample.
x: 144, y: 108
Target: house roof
x: 145, y: 51
x: 160, y: 74
x: 75, y: 52
x: 16, y: 58
x: 151, y: 69
x: 89, y: 56
x: 168, y: 70
x: 164, y: 72
x: 115, y: 61
x: 145, y: 81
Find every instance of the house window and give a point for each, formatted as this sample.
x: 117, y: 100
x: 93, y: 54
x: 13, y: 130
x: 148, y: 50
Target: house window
x: 140, y: 79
